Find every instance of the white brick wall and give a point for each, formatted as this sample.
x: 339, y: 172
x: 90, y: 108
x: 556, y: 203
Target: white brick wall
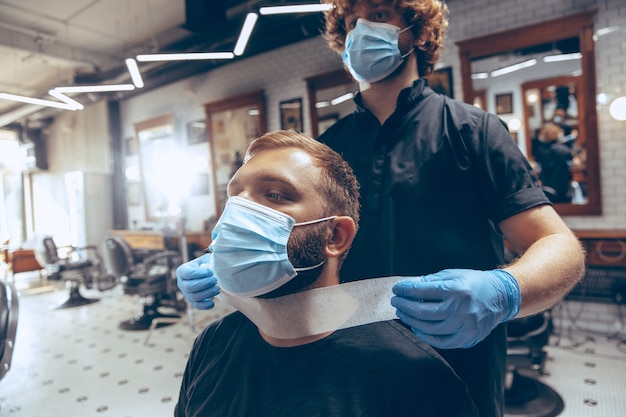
x: 281, y: 74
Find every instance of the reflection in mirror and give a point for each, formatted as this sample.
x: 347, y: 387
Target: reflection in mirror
x: 231, y: 125
x: 543, y: 80
x: 557, y: 149
x: 540, y: 80
x: 330, y: 99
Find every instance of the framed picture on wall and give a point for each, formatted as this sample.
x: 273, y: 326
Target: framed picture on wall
x: 196, y: 132
x: 504, y: 103
x: 291, y: 114
x: 441, y: 81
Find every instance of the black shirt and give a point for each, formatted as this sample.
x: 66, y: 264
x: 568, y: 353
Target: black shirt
x: 376, y: 370
x: 433, y: 190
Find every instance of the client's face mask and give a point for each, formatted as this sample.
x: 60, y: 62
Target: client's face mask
x: 372, y: 51
x: 250, y: 248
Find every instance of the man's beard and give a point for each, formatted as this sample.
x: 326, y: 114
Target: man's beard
x: 305, y: 248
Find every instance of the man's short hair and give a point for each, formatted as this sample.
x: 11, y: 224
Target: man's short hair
x: 338, y: 186
x: 429, y: 16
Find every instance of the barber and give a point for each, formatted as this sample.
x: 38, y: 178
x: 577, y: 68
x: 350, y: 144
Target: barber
x: 443, y: 184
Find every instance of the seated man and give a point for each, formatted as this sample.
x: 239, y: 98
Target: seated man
x: 290, y: 219
x: 555, y: 159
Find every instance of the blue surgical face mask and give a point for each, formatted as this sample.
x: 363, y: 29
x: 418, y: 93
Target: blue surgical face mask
x: 249, y: 246
x: 372, y: 52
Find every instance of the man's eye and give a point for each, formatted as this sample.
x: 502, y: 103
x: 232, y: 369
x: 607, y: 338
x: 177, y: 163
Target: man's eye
x: 380, y: 16
x: 275, y: 196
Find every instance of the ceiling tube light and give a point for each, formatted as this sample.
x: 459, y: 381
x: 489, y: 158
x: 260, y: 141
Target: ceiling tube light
x: 60, y: 96
x: 341, y: 99
x: 562, y: 57
x: 513, y: 68
x: 246, y: 31
x: 133, y: 70
x: 480, y: 76
x: 95, y: 88
x: 40, y: 102
x: 185, y: 56
x: 301, y: 8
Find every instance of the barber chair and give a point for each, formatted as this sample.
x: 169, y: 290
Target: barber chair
x: 79, y: 265
x: 525, y: 394
x: 151, y: 278
x: 9, y: 308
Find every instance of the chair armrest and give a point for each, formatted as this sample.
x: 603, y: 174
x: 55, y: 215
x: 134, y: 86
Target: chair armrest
x: 158, y: 256
x: 83, y: 252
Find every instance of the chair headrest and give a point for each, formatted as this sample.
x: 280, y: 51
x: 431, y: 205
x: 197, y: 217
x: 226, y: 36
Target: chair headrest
x: 118, y: 257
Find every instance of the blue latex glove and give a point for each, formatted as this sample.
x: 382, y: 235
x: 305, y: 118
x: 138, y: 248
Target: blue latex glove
x: 197, y: 282
x: 457, y: 308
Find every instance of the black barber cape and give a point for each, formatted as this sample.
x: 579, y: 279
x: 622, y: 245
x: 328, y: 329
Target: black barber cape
x: 375, y: 370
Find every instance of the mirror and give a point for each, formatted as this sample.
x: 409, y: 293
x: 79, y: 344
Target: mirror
x: 231, y: 125
x: 523, y: 75
x: 156, y: 146
x: 330, y: 99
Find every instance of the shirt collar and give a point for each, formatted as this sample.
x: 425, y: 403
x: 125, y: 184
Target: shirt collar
x: 408, y: 95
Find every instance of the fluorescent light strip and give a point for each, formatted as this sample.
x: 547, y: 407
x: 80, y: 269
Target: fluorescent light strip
x: 513, y: 68
x: 562, y: 57
x: 301, y: 8
x: 246, y: 31
x: 40, y: 102
x: 480, y: 76
x: 95, y: 88
x: 133, y: 70
x: 606, y: 31
x: 341, y: 99
x: 185, y: 56
x: 60, y: 96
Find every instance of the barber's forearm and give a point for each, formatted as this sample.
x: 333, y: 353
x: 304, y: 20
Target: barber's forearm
x: 547, y: 271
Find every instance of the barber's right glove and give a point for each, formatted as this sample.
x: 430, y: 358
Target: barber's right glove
x: 197, y: 282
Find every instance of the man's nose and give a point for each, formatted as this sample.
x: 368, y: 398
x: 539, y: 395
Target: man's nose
x: 245, y: 193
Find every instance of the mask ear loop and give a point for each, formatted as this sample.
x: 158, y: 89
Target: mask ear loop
x: 413, y: 48
x: 323, y: 219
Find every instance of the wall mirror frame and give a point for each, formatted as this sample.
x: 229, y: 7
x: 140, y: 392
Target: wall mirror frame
x: 578, y: 25
x: 232, y: 123
x: 315, y: 85
x: 156, y: 142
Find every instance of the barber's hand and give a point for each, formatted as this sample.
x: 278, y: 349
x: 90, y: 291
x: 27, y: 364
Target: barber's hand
x: 457, y: 308
x: 197, y: 282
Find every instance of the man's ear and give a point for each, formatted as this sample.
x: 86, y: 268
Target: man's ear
x: 344, y: 230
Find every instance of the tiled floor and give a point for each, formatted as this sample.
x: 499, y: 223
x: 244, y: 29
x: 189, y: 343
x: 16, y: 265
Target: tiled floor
x: 587, y: 359
x: 76, y: 362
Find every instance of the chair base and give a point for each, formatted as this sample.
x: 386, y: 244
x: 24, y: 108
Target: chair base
x: 144, y: 320
x: 75, y: 299
x: 529, y: 397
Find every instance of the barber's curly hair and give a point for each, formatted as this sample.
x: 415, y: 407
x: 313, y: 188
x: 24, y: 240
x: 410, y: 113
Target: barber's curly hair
x: 429, y: 16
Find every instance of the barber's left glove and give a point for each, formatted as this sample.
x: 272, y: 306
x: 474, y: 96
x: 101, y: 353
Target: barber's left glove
x: 457, y: 308
x: 196, y: 281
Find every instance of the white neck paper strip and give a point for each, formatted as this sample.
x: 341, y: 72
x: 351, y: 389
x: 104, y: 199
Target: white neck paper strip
x: 319, y: 310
